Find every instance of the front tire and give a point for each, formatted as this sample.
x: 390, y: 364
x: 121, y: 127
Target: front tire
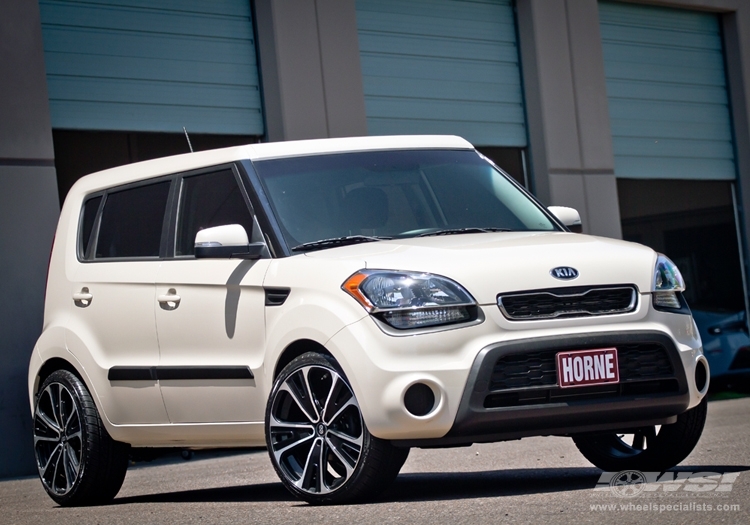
x: 78, y: 462
x: 650, y: 449
x: 317, y: 439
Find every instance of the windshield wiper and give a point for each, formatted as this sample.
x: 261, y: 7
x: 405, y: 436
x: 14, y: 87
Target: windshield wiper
x: 455, y: 231
x: 338, y: 241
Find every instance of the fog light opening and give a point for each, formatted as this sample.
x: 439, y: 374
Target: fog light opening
x: 419, y: 399
x: 701, y: 375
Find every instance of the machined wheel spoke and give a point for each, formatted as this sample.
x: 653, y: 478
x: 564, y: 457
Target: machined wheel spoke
x: 70, y: 466
x: 44, y: 418
x: 336, y: 386
x: 65, y: 468
x: 55, y: 403
x: 344, y: 460
x: 305, y: 373
x: 52, y: 460
x: 299, y: 402
x: 350, y: 402
x: 321, y: 467
x: 69, y: 420
x: 356, y: 441
x: 76, y: 435
x: 277, y: 423
x: 346, y: 448
x: 311, y: 469
x: 37, y: 439
x: 61, y: 401
x: 638, y: 441
x: 58, y: 460
x: 297, y: 442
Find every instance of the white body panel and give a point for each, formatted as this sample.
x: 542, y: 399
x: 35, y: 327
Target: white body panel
x: 118, y: 329
x: 491, y: 263
x: 219, y: 321
x: 222, y: 320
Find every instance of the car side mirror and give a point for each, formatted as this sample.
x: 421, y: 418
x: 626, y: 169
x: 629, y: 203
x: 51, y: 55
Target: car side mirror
x: 226, y: 242
x: 568, y: 216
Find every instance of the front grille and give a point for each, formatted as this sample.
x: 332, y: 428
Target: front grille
x: 568, y: 302
x: 637, y: 362
x: 563, y: 395
x: 524, y: 371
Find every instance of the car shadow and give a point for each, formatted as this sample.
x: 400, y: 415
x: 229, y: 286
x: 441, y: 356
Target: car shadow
x: 500, y: 483
x: 429, y: 486
x: 241, y: 493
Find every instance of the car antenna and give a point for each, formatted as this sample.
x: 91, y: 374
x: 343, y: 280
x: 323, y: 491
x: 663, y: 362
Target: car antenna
x: 188, y: 139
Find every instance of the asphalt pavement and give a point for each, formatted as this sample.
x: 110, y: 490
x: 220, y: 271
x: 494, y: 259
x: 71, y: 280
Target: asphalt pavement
x: 535, y: 480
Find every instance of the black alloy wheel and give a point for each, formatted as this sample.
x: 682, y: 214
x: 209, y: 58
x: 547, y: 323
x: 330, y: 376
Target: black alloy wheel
x: 78, y: 462
x: 317, y: 438
x: 653, y: 448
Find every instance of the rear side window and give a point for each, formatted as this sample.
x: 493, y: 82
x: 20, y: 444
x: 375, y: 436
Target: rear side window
x: 132, y: 220
x: 208, y: 200
x: 87, y: 224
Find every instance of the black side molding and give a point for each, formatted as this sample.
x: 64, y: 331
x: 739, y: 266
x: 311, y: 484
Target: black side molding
x: 132, y: 373
x: 152, y: 373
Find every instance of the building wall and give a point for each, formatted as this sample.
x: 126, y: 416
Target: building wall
x: 572, y: 162
x: 312, y: 88
x: 310, y: 69
x: 28, y: 215
x: 736, y: 27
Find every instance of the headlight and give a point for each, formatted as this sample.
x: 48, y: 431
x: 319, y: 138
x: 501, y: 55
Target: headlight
x: 668, y: 282
x: 411, y: 299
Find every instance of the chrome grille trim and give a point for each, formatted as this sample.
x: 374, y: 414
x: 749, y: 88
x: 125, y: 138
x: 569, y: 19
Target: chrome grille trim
x: 572, y: 310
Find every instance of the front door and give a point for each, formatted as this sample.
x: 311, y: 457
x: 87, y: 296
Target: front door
x: 210, y: 312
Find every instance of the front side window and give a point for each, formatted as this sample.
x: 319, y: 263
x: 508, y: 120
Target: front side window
x: 132, y: 221
x: 208, y: 200
x: 395, y: 194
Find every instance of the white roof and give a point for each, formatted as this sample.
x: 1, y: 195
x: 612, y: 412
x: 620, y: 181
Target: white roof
x: 270, y: 150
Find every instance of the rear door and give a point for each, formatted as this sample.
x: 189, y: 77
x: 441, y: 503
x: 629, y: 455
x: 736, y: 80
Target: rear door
x: 210, y: 312
x: 113, y: 317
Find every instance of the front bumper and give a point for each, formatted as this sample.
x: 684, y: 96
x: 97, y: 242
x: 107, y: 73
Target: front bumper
x: 653, y: 389
x: 458, y: 366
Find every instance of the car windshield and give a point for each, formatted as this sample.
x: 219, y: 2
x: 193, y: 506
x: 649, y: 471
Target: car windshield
x: 366, y: 196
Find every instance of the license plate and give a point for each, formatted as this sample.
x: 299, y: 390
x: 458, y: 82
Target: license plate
x: 587, y: 367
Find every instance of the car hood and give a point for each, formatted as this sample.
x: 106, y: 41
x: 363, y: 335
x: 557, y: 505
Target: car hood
x: 487, y: 264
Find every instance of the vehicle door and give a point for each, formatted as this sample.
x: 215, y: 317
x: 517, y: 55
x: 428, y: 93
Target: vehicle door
x: 113, y: 329
x: 210, y: 312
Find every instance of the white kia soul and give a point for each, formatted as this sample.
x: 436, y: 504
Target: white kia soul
x: 340, y: 301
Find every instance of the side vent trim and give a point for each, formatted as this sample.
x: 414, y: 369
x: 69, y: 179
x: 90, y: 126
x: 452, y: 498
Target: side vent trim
x: 276, y: 296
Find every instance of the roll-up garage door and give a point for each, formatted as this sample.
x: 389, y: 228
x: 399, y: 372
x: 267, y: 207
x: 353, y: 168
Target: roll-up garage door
x: 442, y: 66
x: 152, y: 65
x: 667, y: 93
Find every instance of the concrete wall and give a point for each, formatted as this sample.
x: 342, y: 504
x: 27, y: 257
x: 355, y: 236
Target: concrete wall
x: 735, y: 19
x: 310, y: 69
x: 567, y: 114
x: 28, y: 215
x: 736, y: 26
x: 312, y: 88
x: 571, y: 156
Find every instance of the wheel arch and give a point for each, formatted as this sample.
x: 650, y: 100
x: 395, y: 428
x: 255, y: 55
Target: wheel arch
x: 296, y: 349
x: 52, y: 365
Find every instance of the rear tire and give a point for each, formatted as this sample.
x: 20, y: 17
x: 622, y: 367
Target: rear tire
x: 651, y: 450
x: 79, y: 463
x: 317, y: 439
